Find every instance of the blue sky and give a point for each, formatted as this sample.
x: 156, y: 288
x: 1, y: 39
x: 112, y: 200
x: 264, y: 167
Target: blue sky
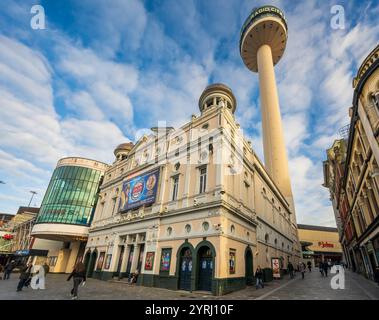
x: 103, y: 70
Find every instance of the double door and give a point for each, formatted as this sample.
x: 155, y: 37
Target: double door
x: 185, y: 272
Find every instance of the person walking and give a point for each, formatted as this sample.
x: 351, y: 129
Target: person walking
x: 302, y: 269
x: 79, y: 276
x: 321, y: 268
x: 309, y: 266
x: 46, y: 268
x: 259, y: 278
x: 8, y: 269
x: 376, y: 275
x: 25, y: 272
x: 290, y: 269
x: 325, y: 267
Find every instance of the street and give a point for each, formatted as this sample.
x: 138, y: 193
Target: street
x: 313, y: 287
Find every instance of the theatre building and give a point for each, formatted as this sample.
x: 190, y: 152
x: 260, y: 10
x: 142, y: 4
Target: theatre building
x: 191, y: 208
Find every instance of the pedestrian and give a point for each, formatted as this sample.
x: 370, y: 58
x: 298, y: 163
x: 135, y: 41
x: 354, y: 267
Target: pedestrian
x: 8, y: 269
x: 376, y: 275
x: 259, y: 278
x: 1, y: 271
x: 25, y: 272
x: 321, y: 268
x: 290, y: 269
x: 79, y: 275
x: 134, y: 277
x: 302, y: 269
x: 325, y: 267
x: 309, y: 266
x: 46, y: 268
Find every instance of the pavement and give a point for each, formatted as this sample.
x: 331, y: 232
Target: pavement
x: 313, y: 287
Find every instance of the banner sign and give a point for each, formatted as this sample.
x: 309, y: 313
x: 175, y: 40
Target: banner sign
x: 275, y: 268
x: 139, y: 190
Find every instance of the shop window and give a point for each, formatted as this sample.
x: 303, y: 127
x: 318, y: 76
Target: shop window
x: 53, y: 261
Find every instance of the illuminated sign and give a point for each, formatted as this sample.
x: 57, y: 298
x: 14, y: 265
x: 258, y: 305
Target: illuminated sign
x: 139, y: 190
x: 263, y: 11
x: 326, y: 245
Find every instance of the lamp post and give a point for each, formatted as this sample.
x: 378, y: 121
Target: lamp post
x: 33, y: 193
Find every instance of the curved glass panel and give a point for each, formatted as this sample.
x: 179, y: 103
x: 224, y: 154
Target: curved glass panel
x: 70, y: 196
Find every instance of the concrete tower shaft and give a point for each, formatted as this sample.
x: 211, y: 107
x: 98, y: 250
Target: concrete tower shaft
x: 275, y: 154
x: 262, y: 44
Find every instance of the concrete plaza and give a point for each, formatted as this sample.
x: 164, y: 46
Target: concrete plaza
x: 313, y: 287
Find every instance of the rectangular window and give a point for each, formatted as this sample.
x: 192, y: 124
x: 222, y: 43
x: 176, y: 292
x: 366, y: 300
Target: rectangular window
x: 175, y: 187
x: 52, y: 261
x: 203, y: 180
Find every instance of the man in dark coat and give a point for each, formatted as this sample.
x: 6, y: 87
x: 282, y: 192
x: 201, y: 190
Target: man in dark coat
x: 25, y: 273
x: 376, y: 274
x: 290, y: 269
x: 8, y: 269
x: 325, y: 267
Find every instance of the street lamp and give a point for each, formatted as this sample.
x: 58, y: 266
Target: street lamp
x: 33, y: 193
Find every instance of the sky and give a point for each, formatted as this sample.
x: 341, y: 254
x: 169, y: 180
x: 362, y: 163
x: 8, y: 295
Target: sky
x: 102, y: 71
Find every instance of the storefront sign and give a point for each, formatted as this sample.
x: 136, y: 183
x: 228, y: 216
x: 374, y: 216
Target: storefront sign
x: 139, y: 190
x: 326, y: 245
x: 232, y: 261
x: 165, y: 260
x: 275, y: 262
x: 149, y: 261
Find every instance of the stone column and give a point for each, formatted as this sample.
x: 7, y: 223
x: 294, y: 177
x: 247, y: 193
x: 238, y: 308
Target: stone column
x: 137, y: 248
x: 115, y: 253
x: 124, y: 262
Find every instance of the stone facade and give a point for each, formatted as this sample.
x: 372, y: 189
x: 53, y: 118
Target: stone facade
x: 216, y: 208
x: 356, y: 192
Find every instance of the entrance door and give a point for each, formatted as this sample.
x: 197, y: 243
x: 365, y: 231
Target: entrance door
x: 185, y: 270
x: 86, y: 259
x: 120, y: 259
x: 205, y: 269
x: 130, y: 260
x: 249, y: 267
x: 91, y: 266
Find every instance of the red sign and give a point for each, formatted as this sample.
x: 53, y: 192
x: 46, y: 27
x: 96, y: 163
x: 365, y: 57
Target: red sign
x: 326, y: 245
x: 7, y: 237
